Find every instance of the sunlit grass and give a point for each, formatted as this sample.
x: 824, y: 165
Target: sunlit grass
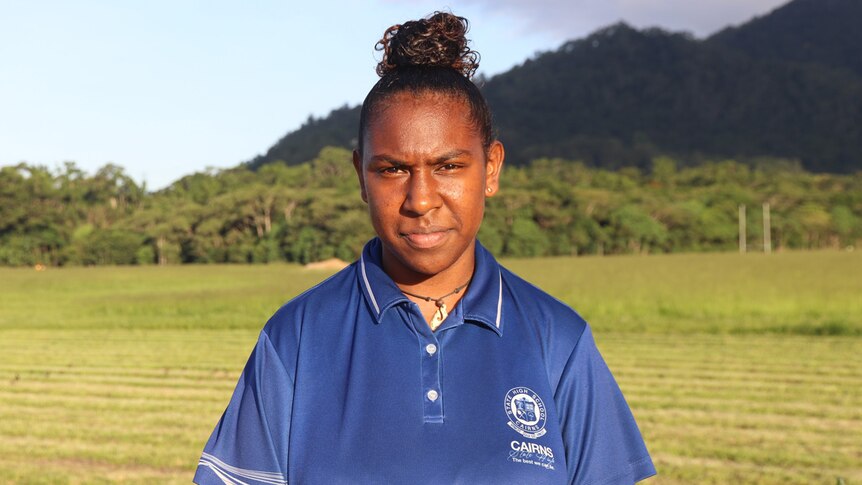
x: 816, y: 293
x: 739, y: 368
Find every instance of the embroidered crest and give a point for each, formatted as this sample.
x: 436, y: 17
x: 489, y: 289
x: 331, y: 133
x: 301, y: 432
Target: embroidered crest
x: 526, y: 412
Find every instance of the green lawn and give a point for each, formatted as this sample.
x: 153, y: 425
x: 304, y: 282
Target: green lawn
x: 739, y: 368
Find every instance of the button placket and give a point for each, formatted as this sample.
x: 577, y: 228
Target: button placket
x: 433, y: 398
x: 432, y: 392
x: 429, y: 363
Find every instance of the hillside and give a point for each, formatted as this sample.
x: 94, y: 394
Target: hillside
x: 339, y: 128
x: 824, y: 32
x: 621, y: 96
x: 783, y: 85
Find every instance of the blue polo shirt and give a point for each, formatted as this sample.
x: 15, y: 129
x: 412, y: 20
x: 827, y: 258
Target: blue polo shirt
x: 348, y: 384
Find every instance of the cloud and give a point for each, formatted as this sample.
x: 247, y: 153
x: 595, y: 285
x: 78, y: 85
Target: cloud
x: 569, y: 19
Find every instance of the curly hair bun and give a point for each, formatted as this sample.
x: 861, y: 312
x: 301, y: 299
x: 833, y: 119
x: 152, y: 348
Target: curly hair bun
x: 435, y: 41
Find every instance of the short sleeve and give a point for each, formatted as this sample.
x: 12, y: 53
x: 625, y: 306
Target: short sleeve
x: 603, y: 445
x: 250, y: 443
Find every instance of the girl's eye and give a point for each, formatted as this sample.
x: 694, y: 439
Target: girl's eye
x: 391, y: 170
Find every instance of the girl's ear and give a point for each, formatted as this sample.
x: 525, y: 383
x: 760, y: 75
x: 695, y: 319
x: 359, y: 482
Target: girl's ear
x: 493, y: 167
x: 357, y: 165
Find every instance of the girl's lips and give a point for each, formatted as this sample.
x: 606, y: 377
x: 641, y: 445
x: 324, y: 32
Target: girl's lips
x: 425, y: 240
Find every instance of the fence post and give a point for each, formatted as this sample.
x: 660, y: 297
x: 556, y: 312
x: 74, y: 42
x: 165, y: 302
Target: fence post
x: 767, y: 229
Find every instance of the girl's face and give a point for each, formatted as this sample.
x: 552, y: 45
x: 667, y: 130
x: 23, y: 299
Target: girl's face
x: 425, y: 177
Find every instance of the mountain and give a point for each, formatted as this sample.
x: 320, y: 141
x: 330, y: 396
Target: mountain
x: 339, y: 128
x: 621, y: 96
x: 785, y: 85
x: 824, y: 32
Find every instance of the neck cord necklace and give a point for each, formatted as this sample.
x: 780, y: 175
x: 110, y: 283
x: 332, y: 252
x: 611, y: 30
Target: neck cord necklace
x: 441, y: 312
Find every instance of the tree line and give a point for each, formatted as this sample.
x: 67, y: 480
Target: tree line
x: 313, y: 211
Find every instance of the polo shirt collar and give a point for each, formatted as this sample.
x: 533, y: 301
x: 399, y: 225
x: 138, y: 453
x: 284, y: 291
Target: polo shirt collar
x: 482, y: 304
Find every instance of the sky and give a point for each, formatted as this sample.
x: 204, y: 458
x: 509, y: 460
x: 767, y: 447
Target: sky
x: 168, y: 88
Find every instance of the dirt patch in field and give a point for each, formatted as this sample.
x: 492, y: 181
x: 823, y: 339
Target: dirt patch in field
x: 327, y: 264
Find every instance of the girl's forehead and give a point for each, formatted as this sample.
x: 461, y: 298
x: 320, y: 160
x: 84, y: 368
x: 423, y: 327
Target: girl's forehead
x: 422, y: 127
x: 410, y: 107
x: 417, y: 100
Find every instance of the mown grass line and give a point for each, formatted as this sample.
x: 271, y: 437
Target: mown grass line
x: 202, y: 371
x: 22, y: 417
x: 106, y: 394
x: 728, y: 397
x: 139, y: 404
x: 720, y: 385
x: 689, y: 382
x: 127, y: 383
x: 795, y: 409
x: 783, y: 447
x: 698, y: 392
x: 669, y: 367
x: 172, y: 437
x: 735, y: 420
x: 53, y: 470
x: 156, y: 454
x: 740, y: 380
x: 740, y: 450
x: 685, y: 470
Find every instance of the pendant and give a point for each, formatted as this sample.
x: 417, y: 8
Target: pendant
x: 438, y: 317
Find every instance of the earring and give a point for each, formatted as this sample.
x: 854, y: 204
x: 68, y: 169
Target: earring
x: 489, y: 189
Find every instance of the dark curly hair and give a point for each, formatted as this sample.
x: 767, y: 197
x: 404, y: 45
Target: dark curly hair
x: 428, y: 55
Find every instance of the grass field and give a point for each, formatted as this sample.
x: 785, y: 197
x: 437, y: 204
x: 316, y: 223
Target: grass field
x: 739, y: 368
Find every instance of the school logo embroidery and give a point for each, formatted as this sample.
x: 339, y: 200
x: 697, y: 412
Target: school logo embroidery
x: 526, y: 412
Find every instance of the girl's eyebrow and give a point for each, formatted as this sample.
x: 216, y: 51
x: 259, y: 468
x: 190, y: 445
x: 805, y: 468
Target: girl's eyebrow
x: 450, y: 155
x: 441, y: 159
x: 387, y: 159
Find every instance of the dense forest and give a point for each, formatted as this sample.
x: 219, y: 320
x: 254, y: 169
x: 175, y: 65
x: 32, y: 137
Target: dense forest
x: 313, y: 211
x: 785, y: 85
x: 817, y: 32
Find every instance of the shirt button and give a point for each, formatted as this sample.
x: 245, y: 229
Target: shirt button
x: 432, y: 395
x: 431, y: 349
